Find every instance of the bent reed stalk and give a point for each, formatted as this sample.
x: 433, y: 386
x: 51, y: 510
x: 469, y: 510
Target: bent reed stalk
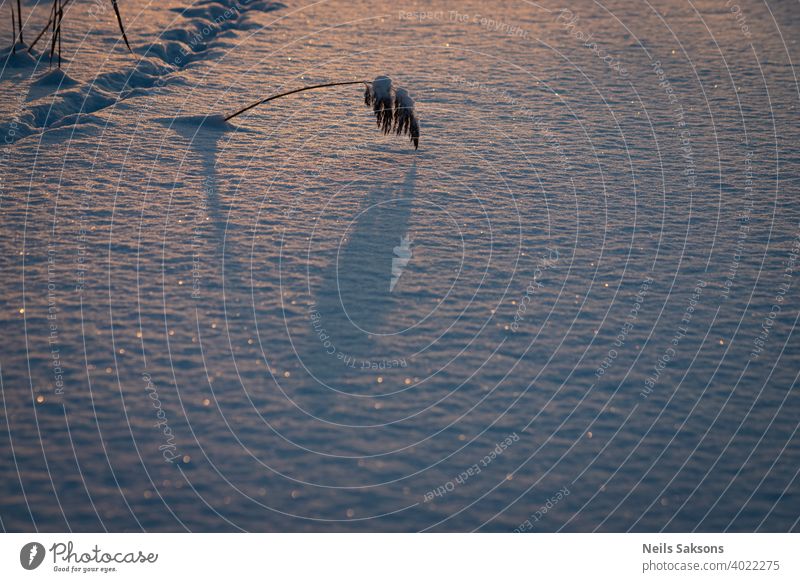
x: 279, y: 95
x: 393, y: 108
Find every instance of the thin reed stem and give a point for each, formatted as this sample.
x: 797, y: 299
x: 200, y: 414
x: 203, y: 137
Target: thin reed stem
x: 13, y: 31
x: 19, y: 21
x: 279, y: 95
x: 48, y: 25
x: 60, y: 18
x: 53, y: 33
x: 121, y: 27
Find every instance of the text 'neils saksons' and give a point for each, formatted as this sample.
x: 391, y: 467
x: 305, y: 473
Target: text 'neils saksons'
x: 664, y: 548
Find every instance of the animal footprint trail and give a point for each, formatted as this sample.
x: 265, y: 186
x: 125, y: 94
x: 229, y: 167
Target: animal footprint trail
x: 174, y: 50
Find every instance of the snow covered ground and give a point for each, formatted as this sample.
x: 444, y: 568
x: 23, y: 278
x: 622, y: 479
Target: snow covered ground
x: 573, y: 308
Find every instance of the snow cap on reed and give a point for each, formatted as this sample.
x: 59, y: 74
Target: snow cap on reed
x: 393, y: 108
x: 405, y: 118
x: 379, y: 97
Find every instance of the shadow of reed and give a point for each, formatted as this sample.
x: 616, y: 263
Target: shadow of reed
x: 357, y: 297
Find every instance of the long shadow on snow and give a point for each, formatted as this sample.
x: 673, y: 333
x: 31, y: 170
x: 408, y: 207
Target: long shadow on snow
x: 203, y: 135
x: 354, y: 300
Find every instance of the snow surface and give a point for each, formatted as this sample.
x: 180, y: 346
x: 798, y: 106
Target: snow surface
x: 200, y: 329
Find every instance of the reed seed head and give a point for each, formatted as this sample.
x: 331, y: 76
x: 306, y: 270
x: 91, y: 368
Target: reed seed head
x: 393, y: 108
